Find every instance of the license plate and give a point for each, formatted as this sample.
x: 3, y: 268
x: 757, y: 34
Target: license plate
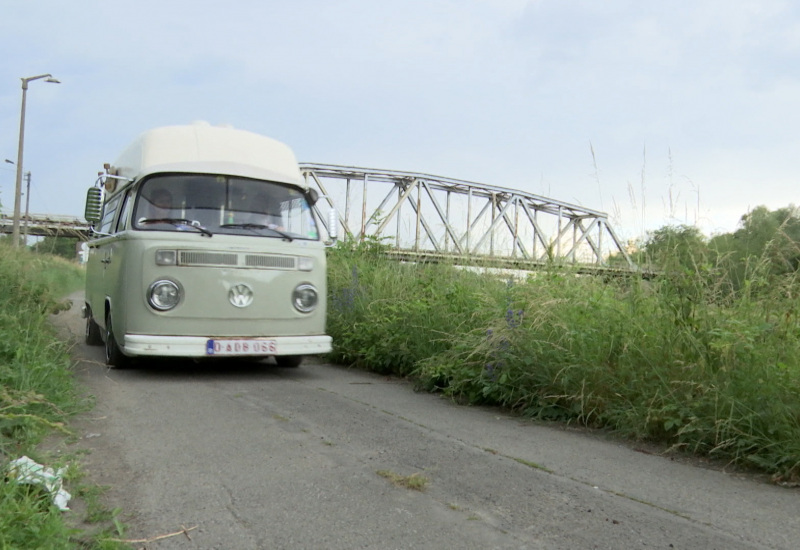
x: 240, y: 347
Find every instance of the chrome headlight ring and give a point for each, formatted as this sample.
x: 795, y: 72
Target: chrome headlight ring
x: 164, y: 295
x: 305, y: 298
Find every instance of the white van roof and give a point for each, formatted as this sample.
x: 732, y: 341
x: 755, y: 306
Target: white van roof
x: 206, y: 149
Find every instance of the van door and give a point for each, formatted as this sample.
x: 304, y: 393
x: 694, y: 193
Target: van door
x: 101, y: 251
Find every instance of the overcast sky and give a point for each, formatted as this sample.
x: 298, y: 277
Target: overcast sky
x: 682, y: 112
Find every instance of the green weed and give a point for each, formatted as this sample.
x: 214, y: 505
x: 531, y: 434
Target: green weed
x: 415, y: 481
x: 37, y: 397
x: 28, y: 519
x: 691, y: 359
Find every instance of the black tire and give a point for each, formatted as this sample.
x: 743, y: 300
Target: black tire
x: 291, y: 361
x: 93, y: 335
x: 114, y: 356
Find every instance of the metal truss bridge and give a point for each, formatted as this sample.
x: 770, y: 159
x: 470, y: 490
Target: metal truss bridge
x: 47, y: 225
x: 431, y: 218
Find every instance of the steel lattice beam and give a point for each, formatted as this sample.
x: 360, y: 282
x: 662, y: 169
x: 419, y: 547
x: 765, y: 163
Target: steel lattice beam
x: 431, y: 216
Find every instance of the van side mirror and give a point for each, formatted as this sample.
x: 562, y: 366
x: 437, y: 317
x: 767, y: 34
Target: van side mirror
x: 312, y: 196
x: 94, y: 205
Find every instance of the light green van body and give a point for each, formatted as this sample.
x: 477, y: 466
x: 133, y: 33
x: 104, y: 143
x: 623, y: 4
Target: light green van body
x: 179, y: 287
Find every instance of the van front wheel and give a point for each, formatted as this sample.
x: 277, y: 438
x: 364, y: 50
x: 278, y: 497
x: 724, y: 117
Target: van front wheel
x: 114, y: 356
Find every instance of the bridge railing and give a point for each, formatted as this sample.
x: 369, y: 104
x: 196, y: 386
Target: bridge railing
x: 421, y: 215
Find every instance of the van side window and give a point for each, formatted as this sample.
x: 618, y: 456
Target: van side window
x: 109, y: 214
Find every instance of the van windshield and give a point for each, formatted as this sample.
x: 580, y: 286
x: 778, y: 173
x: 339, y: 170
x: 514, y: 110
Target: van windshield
x: 224, y: 205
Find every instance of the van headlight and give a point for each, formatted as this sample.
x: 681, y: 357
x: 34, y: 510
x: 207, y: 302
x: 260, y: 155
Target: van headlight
x: 305, y: 298
x: 305, y: 263
x: 163, y: 295
x: 166, y: 257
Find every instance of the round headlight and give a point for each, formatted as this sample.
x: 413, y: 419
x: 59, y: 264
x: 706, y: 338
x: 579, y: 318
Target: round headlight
x: 305, y: 298
x: 163, y: 295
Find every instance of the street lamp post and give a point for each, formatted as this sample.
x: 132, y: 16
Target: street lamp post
x: 18, y: 191
x: 27, y: 206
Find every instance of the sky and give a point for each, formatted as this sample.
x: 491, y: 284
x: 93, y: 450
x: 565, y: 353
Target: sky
x: 659, y: 113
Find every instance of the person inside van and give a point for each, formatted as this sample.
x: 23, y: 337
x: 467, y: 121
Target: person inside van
x: 265, y: 212
x: 157, y: 205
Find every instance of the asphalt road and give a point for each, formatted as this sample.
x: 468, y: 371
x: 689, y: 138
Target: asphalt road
x: 253, y: 456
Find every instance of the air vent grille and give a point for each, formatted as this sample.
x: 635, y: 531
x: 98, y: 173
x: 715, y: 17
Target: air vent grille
x: 232, y: 259
x: 270, y: 262
x: 207, y: 258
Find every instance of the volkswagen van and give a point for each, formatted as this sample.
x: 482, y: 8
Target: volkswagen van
x: 205, y: 244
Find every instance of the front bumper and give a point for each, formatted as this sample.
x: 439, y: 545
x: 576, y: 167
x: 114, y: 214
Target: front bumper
x: 195, y: 346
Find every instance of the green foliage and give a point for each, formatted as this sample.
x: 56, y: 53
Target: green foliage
x: 29, y: 520
x: 415, y: 481
x: 37, y: 392
x: 57, y: 246
x: 689, y: 359
x: 672, y: 247
x: 380, y: 312
x: 766, y: 246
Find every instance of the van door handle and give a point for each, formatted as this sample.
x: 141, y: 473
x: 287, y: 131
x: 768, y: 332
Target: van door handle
x: 105, y: 261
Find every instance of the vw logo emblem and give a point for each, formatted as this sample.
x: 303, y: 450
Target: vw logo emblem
x: 240, y: 295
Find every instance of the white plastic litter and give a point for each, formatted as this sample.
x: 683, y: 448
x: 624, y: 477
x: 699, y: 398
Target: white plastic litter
x: 25, y: 470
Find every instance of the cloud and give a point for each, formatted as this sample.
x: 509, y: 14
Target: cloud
x: 675, y: 100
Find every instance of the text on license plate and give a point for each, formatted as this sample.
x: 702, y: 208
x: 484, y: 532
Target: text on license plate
x: 240, y: 347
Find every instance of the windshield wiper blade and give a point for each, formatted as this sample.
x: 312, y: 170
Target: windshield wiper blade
x: 246, y: 225
x: 254, y: 226
x: 179, y: 222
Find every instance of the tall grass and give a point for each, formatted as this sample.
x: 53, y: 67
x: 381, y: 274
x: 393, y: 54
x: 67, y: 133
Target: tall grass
x: 679, y: 360
x: 36, y: 389
x: 37, y: 392
x: 387, y: 316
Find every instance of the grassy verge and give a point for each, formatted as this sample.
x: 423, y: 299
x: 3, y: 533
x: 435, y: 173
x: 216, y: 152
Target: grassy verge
x: 680, y: 360
x: 37, y: 396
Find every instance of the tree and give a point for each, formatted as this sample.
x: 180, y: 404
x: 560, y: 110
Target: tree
x: 672, y: 246
x: 767, y: 244
x: 774, y: 234
x: 58, y: 246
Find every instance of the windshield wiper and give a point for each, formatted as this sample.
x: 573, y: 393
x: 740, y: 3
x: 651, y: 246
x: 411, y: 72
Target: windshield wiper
x: 254, y: 226
x: 246, y: 225
x: 178, y: 222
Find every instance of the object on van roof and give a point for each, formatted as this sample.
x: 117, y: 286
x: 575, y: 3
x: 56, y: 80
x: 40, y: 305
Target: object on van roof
x: 205, y: 149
